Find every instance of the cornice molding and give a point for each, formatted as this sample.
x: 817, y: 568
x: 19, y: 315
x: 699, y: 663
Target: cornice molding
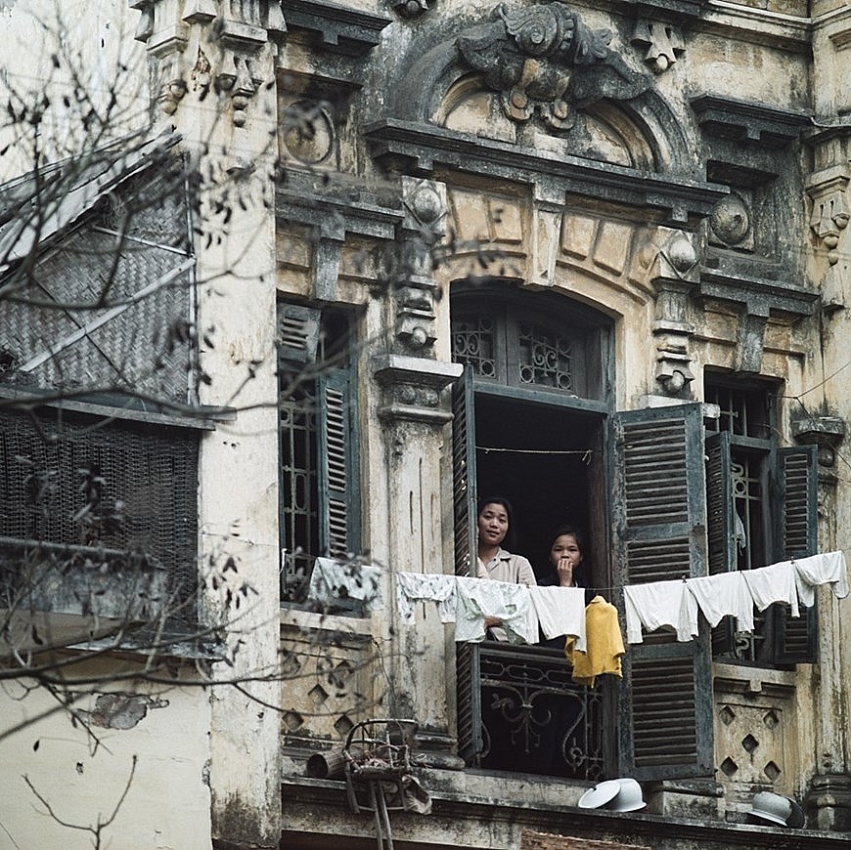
x: 340, y: 28
x: 729, y: 118
x: 420, y: 146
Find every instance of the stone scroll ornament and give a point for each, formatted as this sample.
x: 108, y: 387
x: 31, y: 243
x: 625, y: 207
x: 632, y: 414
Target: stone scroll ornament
x: 544, y: 59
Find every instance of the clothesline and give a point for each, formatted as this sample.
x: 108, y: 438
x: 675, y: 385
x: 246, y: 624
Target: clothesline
x: 559, y: 611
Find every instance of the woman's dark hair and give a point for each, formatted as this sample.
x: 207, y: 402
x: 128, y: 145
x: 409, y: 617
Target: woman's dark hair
x: 568, y: 529
x: 510, y: 537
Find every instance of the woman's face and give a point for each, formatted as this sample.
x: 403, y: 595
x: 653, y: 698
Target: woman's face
x: 565, y: 555
x: 493, y: 524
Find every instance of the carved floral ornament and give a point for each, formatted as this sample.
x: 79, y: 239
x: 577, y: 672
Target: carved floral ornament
x: 543, y: 60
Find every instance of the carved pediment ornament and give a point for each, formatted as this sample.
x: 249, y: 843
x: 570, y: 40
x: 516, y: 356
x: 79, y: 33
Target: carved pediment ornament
x: 544, y: 60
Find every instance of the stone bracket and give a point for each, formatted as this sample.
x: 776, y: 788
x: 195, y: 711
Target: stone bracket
x: 413, y: 386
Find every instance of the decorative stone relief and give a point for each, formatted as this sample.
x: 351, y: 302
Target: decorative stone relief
x: 831, y: 211
x: 662, y: 43
x: 412, y: 388
x: 730, y: 223
x: 544, y: 61
x: 826, y: 432
x: 243, y: 29
x: 416, y: 289
x: 676, y: 269
x: 754, y: 735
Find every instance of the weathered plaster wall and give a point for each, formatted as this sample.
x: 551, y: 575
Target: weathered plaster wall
x: 81, y: 774
x: 94, y: 42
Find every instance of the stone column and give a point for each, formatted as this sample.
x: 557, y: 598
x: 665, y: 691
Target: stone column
x: 415, y: 414
x: 213, y: 63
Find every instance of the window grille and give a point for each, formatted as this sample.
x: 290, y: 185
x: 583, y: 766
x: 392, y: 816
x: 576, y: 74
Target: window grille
x: 77, y: 481
x: 319, y: 492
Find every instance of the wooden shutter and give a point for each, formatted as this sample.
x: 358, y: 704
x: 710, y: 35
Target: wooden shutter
x: 660, y: 534
x: 339, y: 480
x: 795, y: 500
x: 720, y: 528
x: 297, y: 333
x: 467, y: 662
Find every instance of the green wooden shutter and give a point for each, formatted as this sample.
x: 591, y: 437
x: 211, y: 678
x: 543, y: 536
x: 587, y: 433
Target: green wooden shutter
x: 467, y: 661
x: 720, y: 528
x: 795, y: 500
x: 339, y: 479
x: 660, y: 534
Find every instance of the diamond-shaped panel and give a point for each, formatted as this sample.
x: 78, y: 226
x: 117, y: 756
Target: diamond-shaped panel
x: 292, y: 720
x: 343, y: 725
x: 318, y: 695
x: 727, y: 715
x: 728, y: 766
x: 750, y: 743
x: 771, y: 720
x: 772, y: 771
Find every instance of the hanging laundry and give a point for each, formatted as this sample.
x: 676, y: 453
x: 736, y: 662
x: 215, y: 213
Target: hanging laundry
x: 657, y: 604
x: 827, y: 568
x: 511, y: 603
x: 561, y: 611
x: 425, y: 587
x: 332, y: 581
x: 773, y: 584
x: 605, y: 647
x: 721, y: 595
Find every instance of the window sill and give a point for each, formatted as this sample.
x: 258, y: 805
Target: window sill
x: 122, y: 408
x: 313, y: 621
x: 752, y: 680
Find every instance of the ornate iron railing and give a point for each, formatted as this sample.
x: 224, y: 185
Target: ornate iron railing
x: 535, y: 718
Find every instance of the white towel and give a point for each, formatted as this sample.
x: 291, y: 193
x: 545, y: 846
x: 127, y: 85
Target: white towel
x: 561, y: 611
x: 827, y: 568
x: 479, y: 598
x: 773, y: 584
x: 425, y: 587
x: 718, y: 596
x: 657, y: 604
x: 332, y: 581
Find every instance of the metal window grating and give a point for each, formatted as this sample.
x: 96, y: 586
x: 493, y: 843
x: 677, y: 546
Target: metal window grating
x: 78, y: 481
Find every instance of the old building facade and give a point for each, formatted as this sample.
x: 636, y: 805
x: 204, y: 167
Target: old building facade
x: 588, y: 255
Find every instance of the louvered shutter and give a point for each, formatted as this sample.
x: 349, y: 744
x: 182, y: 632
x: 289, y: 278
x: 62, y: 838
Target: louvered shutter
x: 339, y: 481
x: 297, y: 333
x: 467, y: 661
x: 795, y: 492
x: 660, y: 534
x: 720, y: 528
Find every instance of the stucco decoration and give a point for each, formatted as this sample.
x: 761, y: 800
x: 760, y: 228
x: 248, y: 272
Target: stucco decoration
x: 730, y: 222
x: 544, y: 61
x: 662, y: 43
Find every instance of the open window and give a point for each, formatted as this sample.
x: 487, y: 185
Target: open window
x: 761, y: 501
x: 319, y: 507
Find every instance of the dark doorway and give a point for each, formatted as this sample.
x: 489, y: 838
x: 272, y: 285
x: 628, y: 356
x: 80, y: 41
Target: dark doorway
x: 544, y: 460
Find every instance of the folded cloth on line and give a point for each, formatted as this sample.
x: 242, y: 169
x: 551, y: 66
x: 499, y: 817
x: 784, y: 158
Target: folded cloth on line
x: 722, y: 595
x: 826, y: 568
x: 773, y: 584
x: 657, y: 604
x: 425, y: 587
x: 332, y: 581
x: 478, y: 598
x: 561, y: 611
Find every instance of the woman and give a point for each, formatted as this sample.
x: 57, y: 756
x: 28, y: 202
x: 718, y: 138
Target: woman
x: 494, y: 562
x: 495, y: 527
